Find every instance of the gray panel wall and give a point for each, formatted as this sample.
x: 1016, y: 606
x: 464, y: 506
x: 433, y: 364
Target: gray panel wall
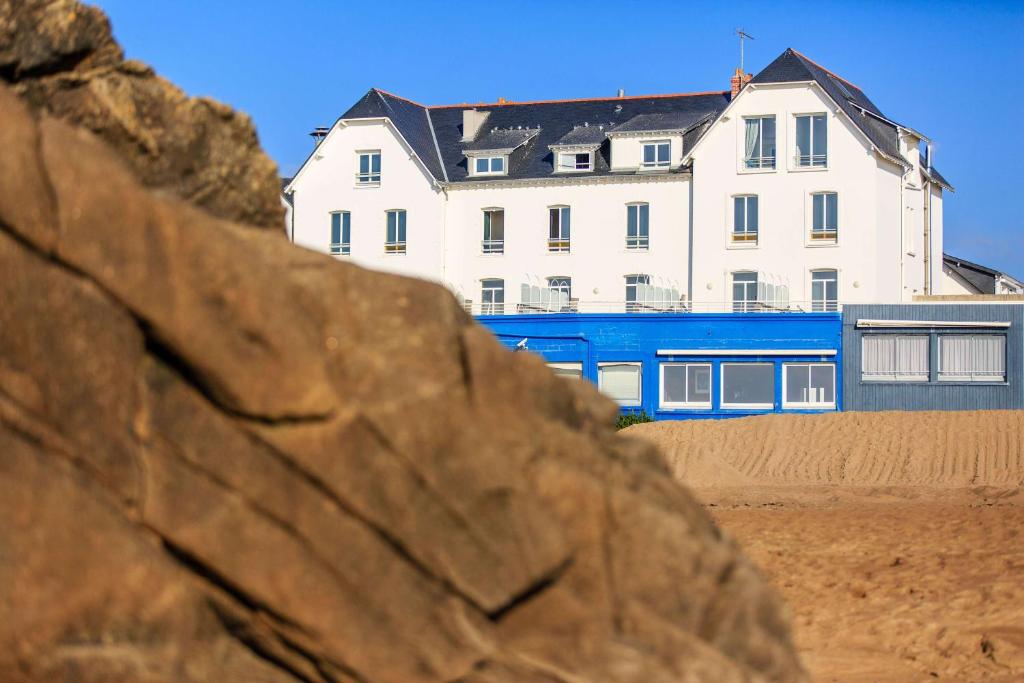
x: 861, y: 395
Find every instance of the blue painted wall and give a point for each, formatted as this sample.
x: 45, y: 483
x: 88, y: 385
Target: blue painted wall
x: 596, y: 338
x: 933, y: 395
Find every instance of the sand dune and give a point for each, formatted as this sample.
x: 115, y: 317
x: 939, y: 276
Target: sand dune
x: 896, y: 449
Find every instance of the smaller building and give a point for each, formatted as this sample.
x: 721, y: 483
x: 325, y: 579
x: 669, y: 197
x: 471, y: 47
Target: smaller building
x: 691, y: 365
x: 967, y: 356
x: 961, y: 276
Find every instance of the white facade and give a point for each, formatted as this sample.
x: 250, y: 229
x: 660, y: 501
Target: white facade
x: 887, y: 247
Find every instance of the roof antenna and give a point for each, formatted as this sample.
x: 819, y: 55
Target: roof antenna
x: 743, y: 35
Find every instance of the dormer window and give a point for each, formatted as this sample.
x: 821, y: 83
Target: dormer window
x: 657, y: 154
x: 488, y: 165
x: 571, y: 162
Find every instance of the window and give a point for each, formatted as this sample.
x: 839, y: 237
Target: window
x: 824, y: 290
x: 620, y: 382
x: 561, y: 291
x: 824, y: 217
x: 744, y: 219
x: 575, y: 161
x: 369, y: 168
x: 657, y: 154
x: 395, y: 242
x: 809, y: 385
x: 558, y: 228
x: 685, y: 385
x: 972, y: 358
x: 488, y: 165
x: 341, y: 233
x: 637, y: 226
x: 759, y: 144
x: 494, y: 231
x: 492, y: 297
x: 894, y: 358
x: 811, y: 140
x: 569, y: 370
x: 748, y: 385
x: 635, y: 291
x: 744, y: 292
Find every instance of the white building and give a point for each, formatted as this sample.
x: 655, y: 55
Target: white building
x: 792, y: 191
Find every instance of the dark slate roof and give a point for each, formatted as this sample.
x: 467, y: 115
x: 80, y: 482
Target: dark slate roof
x: 285, y: 182
x: 586, y: 134
x: 500, y: 138
x: 410, y: 118
x: 935, y: 176
x: 666, y: 121
x: 981, y: 278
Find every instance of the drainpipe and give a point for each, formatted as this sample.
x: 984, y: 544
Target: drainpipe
x: 927, y: 237
x: 689, y: 248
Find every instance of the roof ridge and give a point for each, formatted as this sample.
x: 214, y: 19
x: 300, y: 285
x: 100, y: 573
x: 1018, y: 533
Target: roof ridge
x: 579, y: 99
x: 826, y: 70
x: 398, y: 97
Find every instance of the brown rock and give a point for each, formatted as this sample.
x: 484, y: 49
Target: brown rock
x: 62, y: 59
x: 226, y: 459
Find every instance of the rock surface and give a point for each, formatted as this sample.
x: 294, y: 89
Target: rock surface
x: 60, y: 57
x: 228, y: 459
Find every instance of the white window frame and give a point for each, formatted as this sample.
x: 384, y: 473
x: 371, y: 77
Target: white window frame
x: 492, y: 307
x: 986, y: 377
x: 657, y: 164
x: 638, y: 242
x: 745, y: 305
x: 762, y: 164
x: 491, y: 245
x: 490, y: 159
x: 632, y: 280
x: 675, y: 405
x: 744, y: 238
x: 809, y: 404
x: 369, y: 178
x: 826, y: 305
x: 342, y: 247
x: 812, y: 165
x: 896, y: 376
x: 575, y: 366
x: 827, y: 236
x: 745, y: 406
x: 640, y: 381
x: 563, y: 243
x: 398, y: 245
x: 574, y: 166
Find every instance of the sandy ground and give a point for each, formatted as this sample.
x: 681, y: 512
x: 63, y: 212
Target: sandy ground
x: 896, y: 538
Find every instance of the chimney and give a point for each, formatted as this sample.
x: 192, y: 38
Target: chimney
x: 739, y: 79
x: 472, y: 121
x: 622, y: 92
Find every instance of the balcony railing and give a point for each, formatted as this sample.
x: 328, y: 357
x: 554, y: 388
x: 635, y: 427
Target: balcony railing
x: 558, y: 244
x: 640, y: 243
x: 824, y: 235
x: 654, y: 307
x: 744, y: 237
x: 760, y: 162
x: 341, y: 248
x: 492, y: 246
x: 367, y: 178
x: 394, y: 247
x: 810, y: 160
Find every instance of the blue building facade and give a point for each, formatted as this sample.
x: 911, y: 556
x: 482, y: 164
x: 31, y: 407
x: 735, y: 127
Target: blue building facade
x: 692, y: 365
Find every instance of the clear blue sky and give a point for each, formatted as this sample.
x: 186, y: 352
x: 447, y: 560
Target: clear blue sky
x: 950, y: 70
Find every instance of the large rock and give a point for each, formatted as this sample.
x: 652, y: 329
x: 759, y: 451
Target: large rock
x: 61, y: 58
x: 223, y: 458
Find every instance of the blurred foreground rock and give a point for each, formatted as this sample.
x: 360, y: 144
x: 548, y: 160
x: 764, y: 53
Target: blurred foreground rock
x: 226, y: 459
x: 60, y: 57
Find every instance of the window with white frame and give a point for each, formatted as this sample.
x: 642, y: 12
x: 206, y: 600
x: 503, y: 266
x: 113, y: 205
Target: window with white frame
x: 972, y: 358
x: 561, y: 286
x: 494, y: 232
x: 811, y: 140
x: 744, y: 292
x: 638, y: 226
x: 568, y: 370
x: 558, y: 228
x: 685, y: 385
x: 824, y: 217
x: 621, y: 382
x: 809, y: 385
x: 759, y: 142
x: 394, y: 242
x: 894, y: 358
x: 824, y: 290
x: 488, y: 165
x: 744, y: 219
x: 369, y: 168
x: 634, y: 285
x: 748, y: 385
x: 657, y: 154
x: 575, y: 161
x: 492, y: 297
x: 341, y: 233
